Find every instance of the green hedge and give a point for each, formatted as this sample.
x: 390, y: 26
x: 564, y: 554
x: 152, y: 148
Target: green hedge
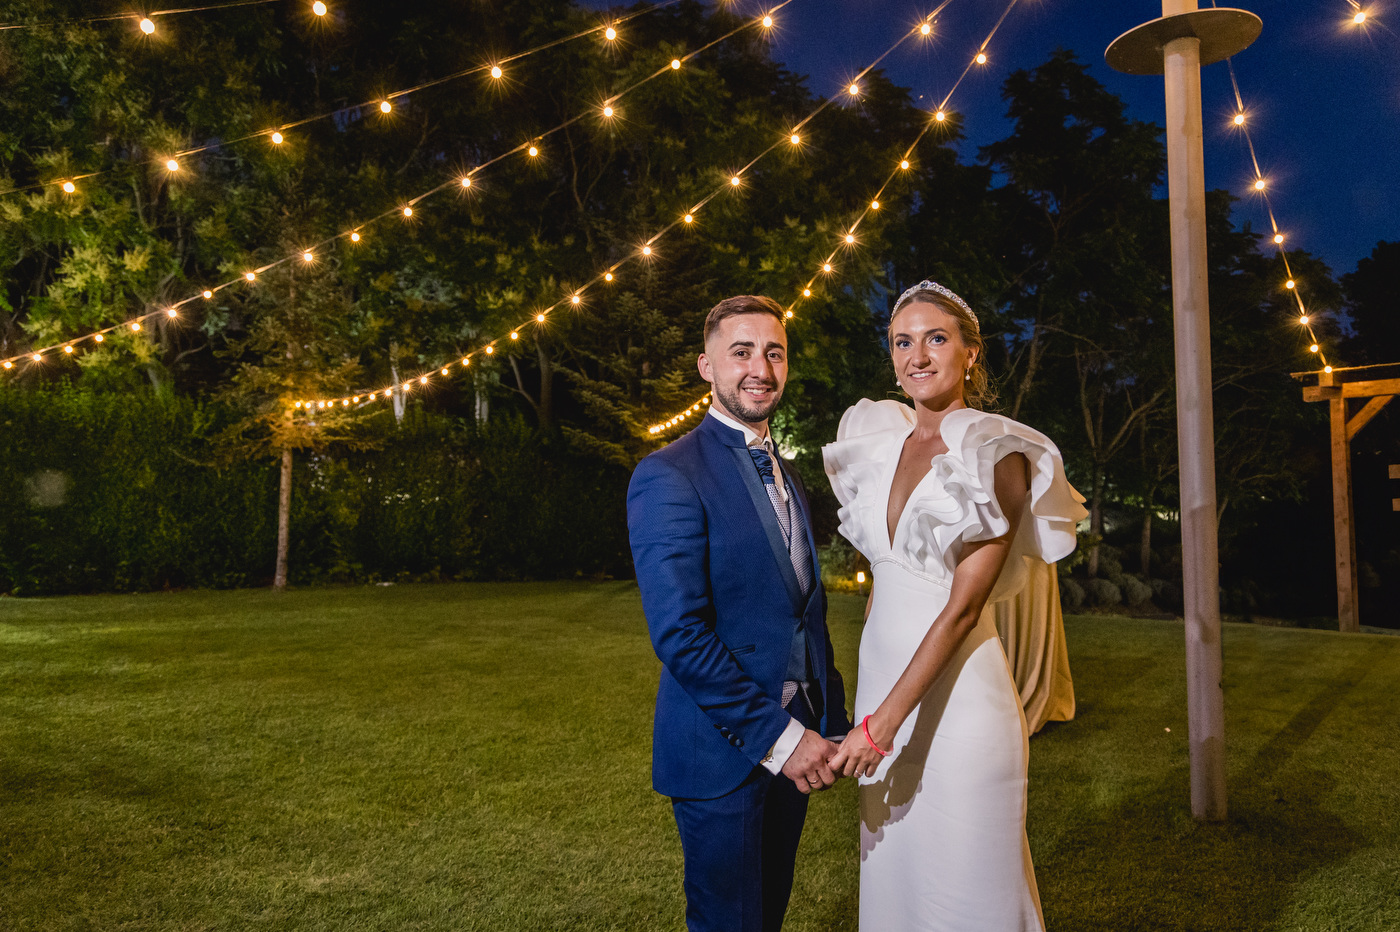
x: 118, y: 493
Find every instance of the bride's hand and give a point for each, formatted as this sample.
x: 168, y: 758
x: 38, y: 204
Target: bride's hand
x: 855, y: 757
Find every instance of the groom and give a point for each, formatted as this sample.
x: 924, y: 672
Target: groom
x: 722, y: 542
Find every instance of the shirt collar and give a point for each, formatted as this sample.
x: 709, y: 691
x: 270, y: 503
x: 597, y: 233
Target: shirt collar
x: 751, y: 438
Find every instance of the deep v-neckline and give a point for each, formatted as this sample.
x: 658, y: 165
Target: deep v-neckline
x: 891, y: 535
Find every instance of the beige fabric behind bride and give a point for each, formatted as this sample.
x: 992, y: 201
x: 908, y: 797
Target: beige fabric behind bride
x: 1032, y: 630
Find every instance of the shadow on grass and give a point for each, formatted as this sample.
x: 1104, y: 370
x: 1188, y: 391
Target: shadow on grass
x: 1145, y: 864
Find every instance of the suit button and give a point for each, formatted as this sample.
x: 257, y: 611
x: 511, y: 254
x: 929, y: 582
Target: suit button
x: 738, y: 742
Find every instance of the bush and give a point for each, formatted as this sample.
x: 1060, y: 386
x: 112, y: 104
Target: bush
x: 1135, y: 591
x: 1167, y: 595
x: 1104, y: 593
x: 1071, y: 594
x: 840, y: 562
x: 118, y: 493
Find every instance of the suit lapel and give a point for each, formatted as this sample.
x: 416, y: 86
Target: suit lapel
x: 761, y: 503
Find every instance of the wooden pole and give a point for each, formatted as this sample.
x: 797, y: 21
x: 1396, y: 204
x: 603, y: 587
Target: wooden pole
x: 1205, y: 701
x: 284, y: 521
x: 1343, y: 528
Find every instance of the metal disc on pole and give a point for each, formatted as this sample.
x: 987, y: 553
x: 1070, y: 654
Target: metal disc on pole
x: 1175, y: 47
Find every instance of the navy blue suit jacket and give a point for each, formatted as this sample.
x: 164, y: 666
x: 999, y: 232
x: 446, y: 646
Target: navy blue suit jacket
x: 722, y: 602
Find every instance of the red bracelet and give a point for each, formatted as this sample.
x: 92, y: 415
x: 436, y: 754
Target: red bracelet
x: 865, y: 727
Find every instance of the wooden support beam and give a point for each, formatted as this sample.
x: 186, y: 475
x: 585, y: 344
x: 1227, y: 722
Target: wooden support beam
x: 1326, y: 392
x: 1361, y: 418
x: 1344, y: 530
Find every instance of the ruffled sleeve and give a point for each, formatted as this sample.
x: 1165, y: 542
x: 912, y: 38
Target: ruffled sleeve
x: 956, y: 504
x: 855, y: 465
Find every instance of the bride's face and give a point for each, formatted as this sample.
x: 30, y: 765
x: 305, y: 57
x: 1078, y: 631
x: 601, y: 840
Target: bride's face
x: 930, y: 358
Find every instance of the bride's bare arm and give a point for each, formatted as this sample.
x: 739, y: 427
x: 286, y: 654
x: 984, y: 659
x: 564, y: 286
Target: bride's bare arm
x: 978, y: 569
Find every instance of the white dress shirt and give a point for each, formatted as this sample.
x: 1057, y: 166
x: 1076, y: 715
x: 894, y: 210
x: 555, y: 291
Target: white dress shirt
x: 787, y: 742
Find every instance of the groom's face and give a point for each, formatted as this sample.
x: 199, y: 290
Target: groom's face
x: 745, y: 362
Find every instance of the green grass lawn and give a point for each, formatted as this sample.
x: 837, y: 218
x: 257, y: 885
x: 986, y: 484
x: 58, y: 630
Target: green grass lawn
x: 477, y: 757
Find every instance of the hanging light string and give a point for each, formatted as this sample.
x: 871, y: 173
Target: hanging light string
x: 1261, y: 188
x: 277, y: 135
x: 644, y: 252
x: 404, y: 211
x: 143, y: 19
x: 849, y: 240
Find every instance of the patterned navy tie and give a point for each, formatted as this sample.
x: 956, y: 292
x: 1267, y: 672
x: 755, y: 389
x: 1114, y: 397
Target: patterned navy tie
x: 793, y: 533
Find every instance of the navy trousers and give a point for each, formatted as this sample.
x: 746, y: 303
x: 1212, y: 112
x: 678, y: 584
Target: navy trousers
x: 740, y: 850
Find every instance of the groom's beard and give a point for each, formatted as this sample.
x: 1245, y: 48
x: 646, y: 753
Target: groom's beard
x: 743, y: 406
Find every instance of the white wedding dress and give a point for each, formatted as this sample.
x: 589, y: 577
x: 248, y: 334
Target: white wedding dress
x: 943, y: 820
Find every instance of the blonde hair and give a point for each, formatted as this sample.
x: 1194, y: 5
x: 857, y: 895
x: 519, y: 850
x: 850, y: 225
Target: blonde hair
x: 977, y: 389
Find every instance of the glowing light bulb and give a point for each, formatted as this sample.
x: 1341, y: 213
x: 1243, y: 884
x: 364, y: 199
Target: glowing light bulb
x: 850, y: 238
x: 423, y: 380
x: 490, y: 350
x: 207, y: 294
x: 249, y: 276
x: 1278, y: 238
x: 1290, y: 284
x: 1259, y: 184
x: 1239, y: 119
x: 646, y: 250
x: 904, y: 164
x: 607, y: 276
x: 860, y: 577
x: 496, y: 71
x: 444, y: 372
x: 1303, y: 319
x: 466, y: 181
x: 385, y: 106
x: 68, y: 349
x: 767, y: 22
x: 795, y: 139
x: 675, y: 64
x: 688, y: 218
x: 789, y: 313
x: 408, y: 211
x: 1314, y: 348
x: 826, y: 266
x: 9, y: 365
x: 277, y: 139
x: 307, y: 257
x: 853, y: 90
x: 1326, y: 368
x: 318, y: 8
x: 356, y: 399
x: 37, y: 358
x: 99, y: 338
x: 171, y: 165
x: 611, y: 34
x: 147, y: 26
x: 574, y: 300
x: 514, y: 335
x: 69, y: 187
x: 607, y: 111
x: 298, y: 404
x: 466, y: 360
x: 135, y: 326
x: 734, y: 181
x: 171, y: 312
x: 533, y: 151
x: 1359, y: 18
x: 806, y: 292
x: 539, y: 318
x: 354, y: 237
x: 372, y: 395
x: 925, y: 29
x: 981, y: 58
x: 940, y: 116
x: 874, y: 205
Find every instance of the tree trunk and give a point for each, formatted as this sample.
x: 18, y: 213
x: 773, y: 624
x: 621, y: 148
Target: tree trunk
x: 483, y: 401
x: 284, y: 521
x: 1145, y: 551
x: 1096, y: 520
x: 546, y: 410
x: 397, y: 394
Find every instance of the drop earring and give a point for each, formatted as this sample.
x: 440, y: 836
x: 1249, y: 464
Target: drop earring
x: 967, y: 376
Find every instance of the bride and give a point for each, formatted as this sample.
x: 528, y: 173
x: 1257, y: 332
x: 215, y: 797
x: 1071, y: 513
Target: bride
x: 948, y: 503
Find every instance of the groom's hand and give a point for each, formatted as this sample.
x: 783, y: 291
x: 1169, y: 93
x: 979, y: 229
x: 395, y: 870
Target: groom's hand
x: 807, y: 767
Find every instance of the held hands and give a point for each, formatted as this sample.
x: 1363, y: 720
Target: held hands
x: 857, y: 756
x: 807, y: 767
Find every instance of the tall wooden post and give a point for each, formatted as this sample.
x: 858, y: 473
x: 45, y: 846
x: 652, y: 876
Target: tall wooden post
x: 1343, y: 527
x: 1175, y: 46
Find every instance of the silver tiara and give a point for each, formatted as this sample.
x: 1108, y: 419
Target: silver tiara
x: 936, y: 288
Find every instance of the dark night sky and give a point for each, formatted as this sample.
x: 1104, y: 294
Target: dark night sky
x: 1324, y: 96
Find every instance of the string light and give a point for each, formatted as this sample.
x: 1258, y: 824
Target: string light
x: 675, y: 64
x: 904, y: 164
x: 688, y: 218
x: 925, y: 29
x: 1258, y: 184
x: 874, y: 205
x: 355, y: 237
x: 734, y: 181
x: 496, y: 72
x: 135, y: 326
x: 607, y: 111
x: 277, y: 139
x: 169, y: 312
x: 981, y: 58
x: 796, y: 139
x: 250, y: 276
x: 1239, y: 119
x: 940, y: 116
x: 69, y: 187
x: 466, y: 181
x: 610, y: 34
x: 318, y: 8
x: 172, y: 165
x: 206, y: 294
x: 767, y: 22
x: 853, y: 90
x: 533, y: 151
x: 385, y: 106
x: 147, y: 26
x: 308, y: 257
x: 407, y: 211
x: 68, y: 349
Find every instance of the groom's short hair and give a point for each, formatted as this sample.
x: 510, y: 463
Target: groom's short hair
x: 741, y: 304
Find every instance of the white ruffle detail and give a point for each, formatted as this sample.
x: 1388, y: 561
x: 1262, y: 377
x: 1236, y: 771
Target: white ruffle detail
x: 954, y: 504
